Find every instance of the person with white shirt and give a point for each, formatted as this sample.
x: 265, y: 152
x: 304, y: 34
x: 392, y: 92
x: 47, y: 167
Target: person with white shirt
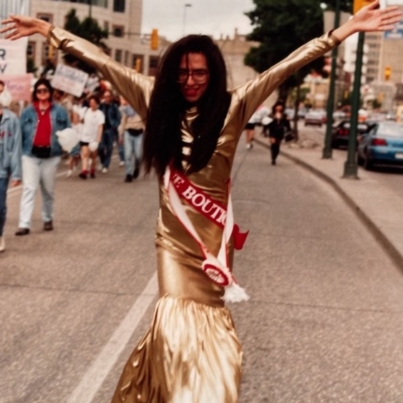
x: 93, y: 123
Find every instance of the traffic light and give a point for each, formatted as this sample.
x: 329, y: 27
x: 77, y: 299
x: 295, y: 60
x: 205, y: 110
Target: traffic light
x: 154, y: 39
x: 358, y: 4
x: 387, y: 73
x: 137, y: 66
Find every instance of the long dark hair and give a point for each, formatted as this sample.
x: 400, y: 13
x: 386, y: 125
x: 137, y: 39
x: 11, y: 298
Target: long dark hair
x: 162, y: 141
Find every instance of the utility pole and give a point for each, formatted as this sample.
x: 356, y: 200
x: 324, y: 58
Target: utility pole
x: 351, y: 166
x: 327, y: 149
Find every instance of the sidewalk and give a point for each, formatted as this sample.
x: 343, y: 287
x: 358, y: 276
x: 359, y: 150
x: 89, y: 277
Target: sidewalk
x: 377, y: 206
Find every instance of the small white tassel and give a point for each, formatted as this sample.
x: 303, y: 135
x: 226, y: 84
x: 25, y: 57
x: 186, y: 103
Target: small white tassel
x: 235, y: 293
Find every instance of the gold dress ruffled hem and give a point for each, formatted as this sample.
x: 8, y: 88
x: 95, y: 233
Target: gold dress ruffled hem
x: 177, y: 360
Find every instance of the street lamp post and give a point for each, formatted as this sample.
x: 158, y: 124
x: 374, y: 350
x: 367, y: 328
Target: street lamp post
x: 350, y: 166
x: 186, y: 5
x: 327, y: 149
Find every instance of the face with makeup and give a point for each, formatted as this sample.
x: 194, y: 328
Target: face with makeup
x: 193, y: 76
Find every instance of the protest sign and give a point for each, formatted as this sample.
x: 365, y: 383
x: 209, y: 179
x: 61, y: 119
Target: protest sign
x: 69, y: 79
x: 18, y: 85
x: 13, y: 56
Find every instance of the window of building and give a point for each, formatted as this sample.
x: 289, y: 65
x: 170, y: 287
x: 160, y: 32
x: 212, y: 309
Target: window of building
x: 118, y: 55
x: 119, y: 6
x: 118, y: 31
x: 31, y: 48
x: 153, y: 65
x: 45, y: 17
x: 48, y: 54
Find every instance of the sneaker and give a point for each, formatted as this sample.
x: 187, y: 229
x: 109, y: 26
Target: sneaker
x: 2, y: 244
x: 22, y: 231
x: 128, y: 178
x: 136, y: 173
x: 48, y: 226
x: 92, y: 175
x: 104, y: 170
x: 100, y: 167
x: 82, y: 175
x: 121, y: 163
x: 69, y: 173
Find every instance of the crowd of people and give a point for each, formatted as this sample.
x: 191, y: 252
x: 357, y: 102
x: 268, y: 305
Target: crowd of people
x: 31, y: 149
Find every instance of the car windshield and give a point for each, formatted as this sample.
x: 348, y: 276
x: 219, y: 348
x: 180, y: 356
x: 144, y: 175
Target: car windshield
x: 390, y: 130
x: 360, y: 127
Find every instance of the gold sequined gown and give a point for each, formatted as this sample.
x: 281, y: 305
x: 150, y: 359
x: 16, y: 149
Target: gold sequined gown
x: 191, y: 354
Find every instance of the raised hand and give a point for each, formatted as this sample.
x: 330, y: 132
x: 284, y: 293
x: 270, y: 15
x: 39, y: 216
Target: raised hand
x: 19, y: 26
x: 372, y: 18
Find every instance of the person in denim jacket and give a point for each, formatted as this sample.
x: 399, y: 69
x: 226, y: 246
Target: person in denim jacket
x: 42, y: 152
x: 10, y: 157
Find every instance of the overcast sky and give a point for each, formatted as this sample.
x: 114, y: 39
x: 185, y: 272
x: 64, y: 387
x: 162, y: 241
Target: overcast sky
x: 211, y: 17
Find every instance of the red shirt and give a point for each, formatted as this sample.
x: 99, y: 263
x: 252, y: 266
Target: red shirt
x: 44, y: 127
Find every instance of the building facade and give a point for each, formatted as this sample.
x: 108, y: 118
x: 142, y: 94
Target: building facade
x: 120, y: 18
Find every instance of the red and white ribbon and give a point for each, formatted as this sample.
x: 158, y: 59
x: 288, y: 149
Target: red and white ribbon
x: 216, y: 268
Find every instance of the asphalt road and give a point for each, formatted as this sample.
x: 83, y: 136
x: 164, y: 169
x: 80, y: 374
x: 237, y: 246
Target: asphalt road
x: 324, y: 322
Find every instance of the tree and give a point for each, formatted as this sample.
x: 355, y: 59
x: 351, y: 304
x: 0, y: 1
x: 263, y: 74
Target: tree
x: 282, y: 26
x: 89, y: 30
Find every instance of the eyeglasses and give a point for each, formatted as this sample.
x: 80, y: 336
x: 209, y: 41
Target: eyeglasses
x: 199, y: 76
x: 42, y: 91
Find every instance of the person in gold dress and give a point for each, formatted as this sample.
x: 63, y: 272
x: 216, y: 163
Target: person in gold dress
x: 191, y: 353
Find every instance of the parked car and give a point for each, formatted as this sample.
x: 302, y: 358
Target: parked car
x: 314, y: 118
x: 290, y: 113
x: 339, y: 115
x: 382, y: 145
x: 341, y: 132
x: 302, y: 112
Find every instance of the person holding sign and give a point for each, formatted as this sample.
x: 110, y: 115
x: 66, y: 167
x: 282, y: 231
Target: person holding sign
x: 192, y: 354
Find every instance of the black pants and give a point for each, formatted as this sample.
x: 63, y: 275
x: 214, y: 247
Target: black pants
x: 275, y: 149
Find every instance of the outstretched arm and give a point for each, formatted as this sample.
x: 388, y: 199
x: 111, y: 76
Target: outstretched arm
x: 135, y: 87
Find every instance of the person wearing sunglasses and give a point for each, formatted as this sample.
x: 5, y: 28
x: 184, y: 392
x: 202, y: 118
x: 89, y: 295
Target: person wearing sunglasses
x: 41, y: 154
x: 191, y: 353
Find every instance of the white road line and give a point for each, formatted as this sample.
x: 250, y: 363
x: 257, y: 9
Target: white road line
x: 100, y: 368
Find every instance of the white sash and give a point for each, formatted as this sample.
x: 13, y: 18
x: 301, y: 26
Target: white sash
x: 216, y: 268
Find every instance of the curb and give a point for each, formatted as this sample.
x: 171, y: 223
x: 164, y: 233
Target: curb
x: 386, y: 244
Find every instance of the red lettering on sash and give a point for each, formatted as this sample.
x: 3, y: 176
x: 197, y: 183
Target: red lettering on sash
x: 205, y: 205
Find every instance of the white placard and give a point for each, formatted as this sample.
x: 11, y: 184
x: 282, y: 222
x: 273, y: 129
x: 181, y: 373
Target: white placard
x: 69, y: 79
x: 13, y: 57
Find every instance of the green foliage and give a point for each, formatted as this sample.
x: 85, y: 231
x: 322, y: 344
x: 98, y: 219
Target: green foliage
x: 345, y: 5
x: 281, y: 27
x: 87, y: 29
